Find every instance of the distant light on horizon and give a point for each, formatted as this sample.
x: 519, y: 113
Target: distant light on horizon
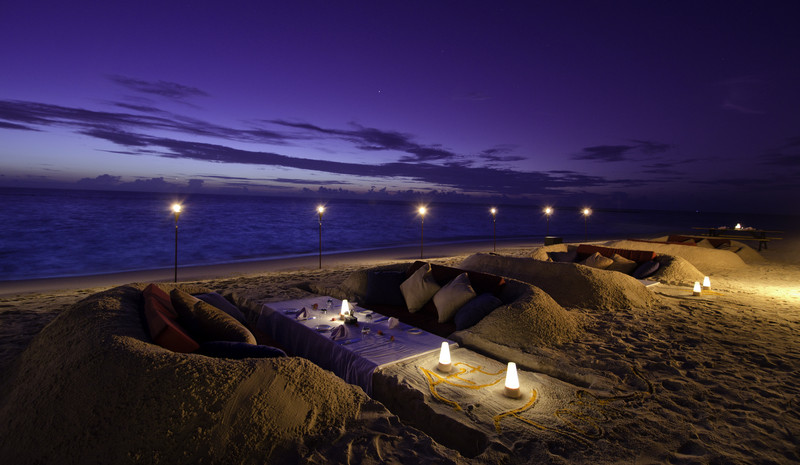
x: 176, y: 207
x: 586, y: 212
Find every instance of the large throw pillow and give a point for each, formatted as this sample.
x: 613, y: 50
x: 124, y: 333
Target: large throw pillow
x: 452, y: 296
x: 646, y: 269
x: 209, y: 322
x: 383, y: 288
x: 596, y: 260
x: 419, y: 288
x: 223, y: 304
x: 153, y: 294
x: 622, y: 264
x: 473, y: 311
x: 705, y: 243
x: 162, y: 325
x: 238, y: 350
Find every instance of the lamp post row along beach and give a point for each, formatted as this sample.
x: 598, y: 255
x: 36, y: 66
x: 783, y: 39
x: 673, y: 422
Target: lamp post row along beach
x: 422, y: 210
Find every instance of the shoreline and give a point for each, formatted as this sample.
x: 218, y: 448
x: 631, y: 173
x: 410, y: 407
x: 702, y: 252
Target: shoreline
x: 252, y: 267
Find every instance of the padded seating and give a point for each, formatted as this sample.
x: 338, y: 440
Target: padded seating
x: 427, y: 318
x: 639, y: 256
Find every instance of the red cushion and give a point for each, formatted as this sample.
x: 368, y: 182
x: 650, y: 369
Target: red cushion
x: 153, y: 294
x: 164, y: 330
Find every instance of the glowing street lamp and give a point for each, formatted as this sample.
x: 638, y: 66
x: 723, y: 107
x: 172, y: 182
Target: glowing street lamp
x: 320, y: 210
x: 422, y: 211
x: 493, y: 211
x: 176, y: 209
x: 547, y: 212
x: 586, y: 212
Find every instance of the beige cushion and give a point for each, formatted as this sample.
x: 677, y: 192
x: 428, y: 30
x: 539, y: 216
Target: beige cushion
x: 705, y: 243
x: 419, y: 288
x: 598, y: 261
x: 452, y: 297
x: 622, y: 264
x: 212, y: 323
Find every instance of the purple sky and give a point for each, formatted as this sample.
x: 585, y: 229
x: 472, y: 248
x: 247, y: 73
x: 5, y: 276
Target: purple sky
x: 645, y: 104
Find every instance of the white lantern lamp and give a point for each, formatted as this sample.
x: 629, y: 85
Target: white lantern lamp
x: 512, y: 381
x: 697, y: 289
x: 706, y: 283
x: 444, y: 359
x: 345, y: 311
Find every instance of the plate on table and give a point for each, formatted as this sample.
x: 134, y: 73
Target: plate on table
x: 323, y: 328
x: 365, y: 312
x: 415, y: 331
x: 290, y: 311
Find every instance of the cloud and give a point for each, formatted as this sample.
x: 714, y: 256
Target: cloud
x: 424, y: 164
x: 609, y: 153
x: 616, y: 153
x: 170, y: 90
x: 21, y: 127
x: 371, y: 139
x: 102, y: 181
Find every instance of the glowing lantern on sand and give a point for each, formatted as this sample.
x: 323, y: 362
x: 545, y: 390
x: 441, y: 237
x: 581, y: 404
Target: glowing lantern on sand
x: 512, y: 381
x: 697, y: 289
x: 444, y: 358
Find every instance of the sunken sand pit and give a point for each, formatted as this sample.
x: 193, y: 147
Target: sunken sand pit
x: 660, y: 377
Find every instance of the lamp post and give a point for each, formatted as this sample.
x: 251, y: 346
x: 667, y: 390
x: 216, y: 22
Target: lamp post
x: 422, y: 211
x: 586, y: 212
x: 320, y: 210
x: 176, y: 209
x: 547, y: 212
x: 493, y: 211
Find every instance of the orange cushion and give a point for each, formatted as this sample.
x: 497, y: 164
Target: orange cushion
x: 153, y: 294
x: 164, y: 330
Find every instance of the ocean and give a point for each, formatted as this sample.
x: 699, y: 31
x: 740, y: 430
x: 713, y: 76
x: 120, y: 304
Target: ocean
x: 56, y: 233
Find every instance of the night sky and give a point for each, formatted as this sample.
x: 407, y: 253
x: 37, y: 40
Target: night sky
x: 649, y: 104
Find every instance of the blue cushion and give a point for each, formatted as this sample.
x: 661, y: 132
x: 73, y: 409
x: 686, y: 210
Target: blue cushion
x: 223, y: 304
x: 473, y: 311
x: 383, y: 288
x: 238, y: 350
x: 646, y: 269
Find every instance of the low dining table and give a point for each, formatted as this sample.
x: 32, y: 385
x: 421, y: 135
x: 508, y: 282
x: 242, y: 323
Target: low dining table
x: 368, y: 345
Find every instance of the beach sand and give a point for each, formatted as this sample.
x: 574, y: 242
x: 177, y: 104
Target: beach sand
x: 708, y: 379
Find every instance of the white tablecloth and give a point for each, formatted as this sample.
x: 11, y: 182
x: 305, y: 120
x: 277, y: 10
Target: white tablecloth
x: 353, y: 358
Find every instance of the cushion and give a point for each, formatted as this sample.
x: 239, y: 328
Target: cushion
x: 646, y: 269
x: 419, y: 288
x: 481, y: 282
x: 568, y: 256
x: 238, y: 350
x: 223, y: 304
x: 452, y: 296
x: 596, y: 260
x: 383, y: 288
x: 705, y: 243
x: 152, y: 293
x: 210, y: 323
x: 473, y: 311
x: 174, y: 338
x: 622, y: 264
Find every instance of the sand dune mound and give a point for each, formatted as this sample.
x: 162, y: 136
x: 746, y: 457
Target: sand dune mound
x: 569, y: 284
x: 707, y: 260
x: 91, y: 389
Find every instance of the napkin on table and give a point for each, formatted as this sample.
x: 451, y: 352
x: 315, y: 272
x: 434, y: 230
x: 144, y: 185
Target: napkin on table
x: 302, y: 314
x: 340, y: 332
x: 393, y: 322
